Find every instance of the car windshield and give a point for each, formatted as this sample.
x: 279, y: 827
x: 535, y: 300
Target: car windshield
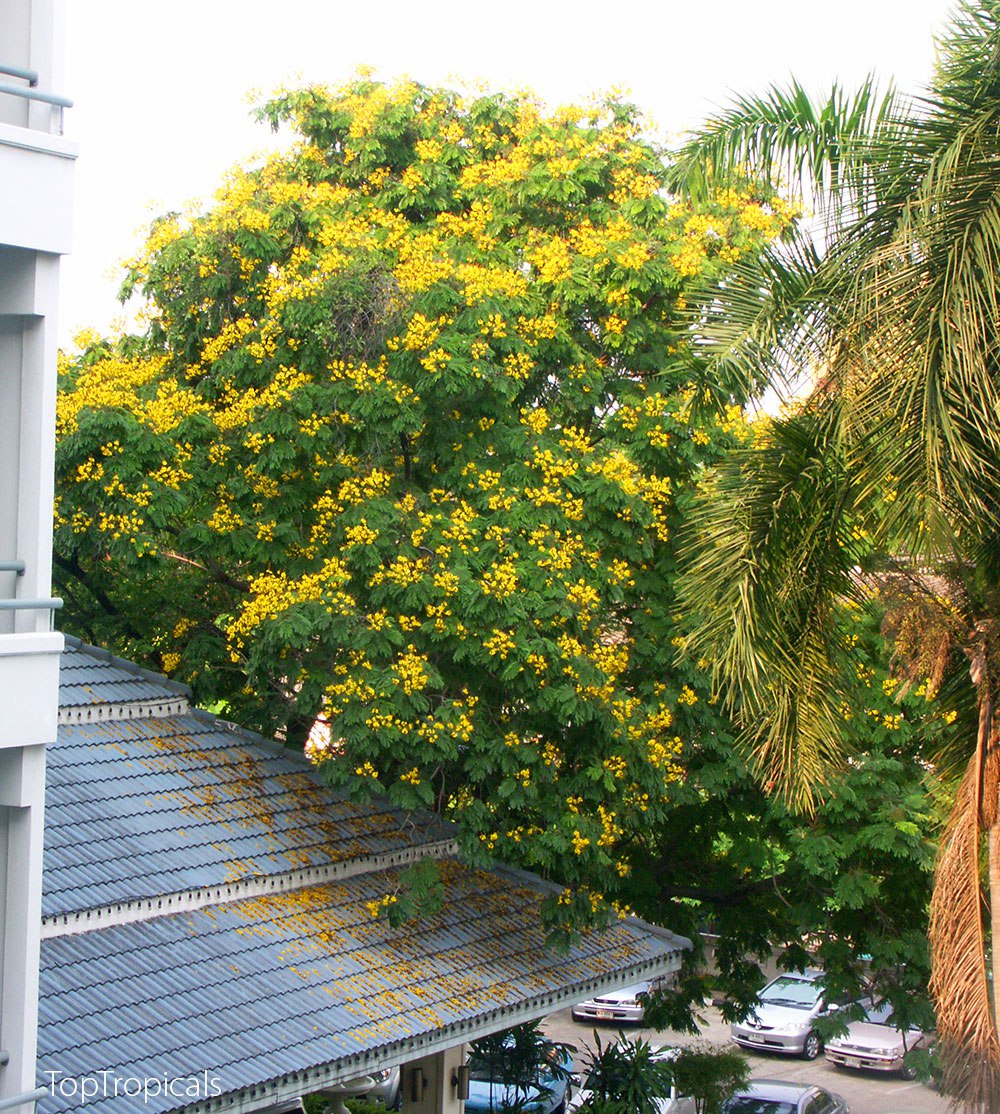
x: 508, y: 1074
x: 744, y: 1104
x: 878, y: 1012
x: 800, y: 994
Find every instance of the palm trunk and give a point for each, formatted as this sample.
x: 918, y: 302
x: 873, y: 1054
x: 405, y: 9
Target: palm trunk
x: 969, y: 1042
x: 994, y: 876
x: 989, y: 819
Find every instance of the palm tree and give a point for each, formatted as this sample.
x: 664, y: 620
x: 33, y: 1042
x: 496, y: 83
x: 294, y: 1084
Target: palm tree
x: 887, y: 477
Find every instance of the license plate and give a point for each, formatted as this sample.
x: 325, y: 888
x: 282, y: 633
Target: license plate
x: 755, y: 1038
x: 852, y: 1062
x: 604, y: 1015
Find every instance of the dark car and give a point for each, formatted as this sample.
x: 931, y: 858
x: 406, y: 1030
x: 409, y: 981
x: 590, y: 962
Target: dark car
x: 545, y: 1089
x: 774, y: 1096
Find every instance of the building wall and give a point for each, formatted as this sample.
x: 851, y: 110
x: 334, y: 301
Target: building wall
x: 36, y: 167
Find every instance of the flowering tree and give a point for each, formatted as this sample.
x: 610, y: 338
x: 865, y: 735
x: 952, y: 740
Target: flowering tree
x: 401, y: 450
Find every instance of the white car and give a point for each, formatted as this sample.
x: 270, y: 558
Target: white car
x: 875, y: 1044
x: 783, y: 1022
x: 615, y: 1005
x: 673, y: 1104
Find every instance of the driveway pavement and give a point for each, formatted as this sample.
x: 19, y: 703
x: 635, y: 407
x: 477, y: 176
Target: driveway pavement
x: 865, y: 1093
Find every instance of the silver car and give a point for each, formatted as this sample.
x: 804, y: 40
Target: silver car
x: 614, y: 1005
x: 875, y: 1044
x: 783, y: 1022
x: 776, y: 1096
x: 380, y: 1085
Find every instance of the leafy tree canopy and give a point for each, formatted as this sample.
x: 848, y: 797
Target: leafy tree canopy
x: 844, y: 887
x: 402, y: 447
x: 709, y: 1073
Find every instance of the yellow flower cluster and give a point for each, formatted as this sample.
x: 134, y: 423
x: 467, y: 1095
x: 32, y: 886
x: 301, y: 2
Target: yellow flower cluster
x: 500, y: 581
x: 411, y: 671
x: 499, y: 644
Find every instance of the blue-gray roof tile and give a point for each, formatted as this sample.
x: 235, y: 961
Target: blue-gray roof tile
x: 254, y: 989
x: 139, y: 808
x: 89, y: 677
x: 258, y: 987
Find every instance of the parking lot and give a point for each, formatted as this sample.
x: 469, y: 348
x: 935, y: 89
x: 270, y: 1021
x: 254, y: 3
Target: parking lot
x: 866, y: 1093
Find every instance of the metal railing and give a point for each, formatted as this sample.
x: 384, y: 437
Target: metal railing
x: 29, y: 1097
x: 36, y: 95
x: 51, y: 603
x: 30, y: 76
x: 31, y: 92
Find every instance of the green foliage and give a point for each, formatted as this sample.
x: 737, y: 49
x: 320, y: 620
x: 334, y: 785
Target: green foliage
x: 709, y: 1074
x: 420, y: 889
x: 323, y: 1104
x: 625, y: 1077
x: 852, y: 878
x: 886, y: 480
x: 522, y: 1059
x: 362, y: 1106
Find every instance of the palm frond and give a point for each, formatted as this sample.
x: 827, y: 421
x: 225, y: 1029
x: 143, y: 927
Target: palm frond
x: 831, y: 152
x: 769, y: 553
x: 760, y: 327
x: 899, y: 309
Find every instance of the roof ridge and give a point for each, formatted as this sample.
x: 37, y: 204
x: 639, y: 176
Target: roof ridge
x: 184, y: 901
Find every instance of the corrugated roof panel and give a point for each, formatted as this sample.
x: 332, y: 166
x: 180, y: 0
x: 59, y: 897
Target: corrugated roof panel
x: 256, y: 988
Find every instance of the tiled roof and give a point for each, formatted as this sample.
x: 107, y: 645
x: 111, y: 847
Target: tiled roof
x: 94, y: 683
x: 145, y: 807
x: 206, y: 903
x: 257, y: 990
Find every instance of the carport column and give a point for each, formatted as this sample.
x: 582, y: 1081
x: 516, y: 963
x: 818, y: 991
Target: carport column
x: 430, y: 1085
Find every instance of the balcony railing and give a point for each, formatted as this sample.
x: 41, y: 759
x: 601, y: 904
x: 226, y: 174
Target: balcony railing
x: 50, y: 603
x: 31, y: 92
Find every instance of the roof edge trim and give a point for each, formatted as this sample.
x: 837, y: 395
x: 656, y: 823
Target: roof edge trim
x: 260, y: 1096
x: 185, y: 901
x: 139, y: 709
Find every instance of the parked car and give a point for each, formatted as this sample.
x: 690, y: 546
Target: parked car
x: 377, y: 1086
x: 547, y: 1090
x: 672, y: 1104
x: 620, y: 1006
x: 875, y: 1043
x: 783, y: 1022
x: 386, y: 1089
x: 773, y: 1096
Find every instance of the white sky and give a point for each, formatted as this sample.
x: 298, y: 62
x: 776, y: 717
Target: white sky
x: 161, y: 89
